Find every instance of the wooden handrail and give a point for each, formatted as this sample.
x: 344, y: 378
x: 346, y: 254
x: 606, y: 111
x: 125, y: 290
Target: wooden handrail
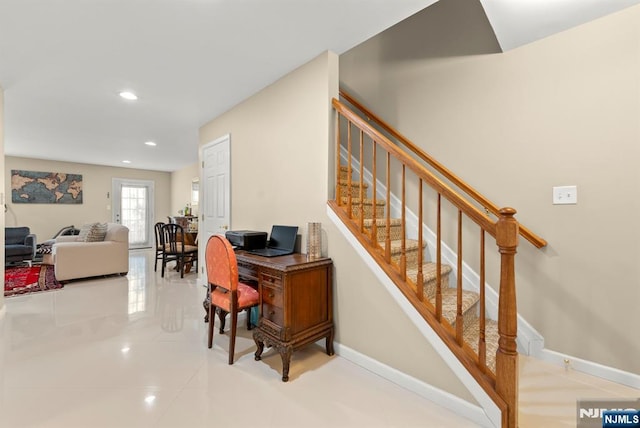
x: 537, y: 241
x: 427, y: 176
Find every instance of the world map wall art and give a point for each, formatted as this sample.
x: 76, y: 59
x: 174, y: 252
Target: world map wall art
x: 33, y: 187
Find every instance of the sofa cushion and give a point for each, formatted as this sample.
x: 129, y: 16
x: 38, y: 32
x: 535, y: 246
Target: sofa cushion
x: 93, y: 232
x: 17, y: 250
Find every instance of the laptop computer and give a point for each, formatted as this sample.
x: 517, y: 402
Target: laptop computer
x: 282, y: 241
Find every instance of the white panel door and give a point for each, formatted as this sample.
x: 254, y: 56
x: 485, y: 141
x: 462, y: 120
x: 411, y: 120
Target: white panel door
x: 215, y: 187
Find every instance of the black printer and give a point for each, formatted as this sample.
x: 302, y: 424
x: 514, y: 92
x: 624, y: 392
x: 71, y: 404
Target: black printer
x: 247, y: 239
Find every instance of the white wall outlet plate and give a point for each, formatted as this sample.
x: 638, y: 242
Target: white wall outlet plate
x: 563, y: 195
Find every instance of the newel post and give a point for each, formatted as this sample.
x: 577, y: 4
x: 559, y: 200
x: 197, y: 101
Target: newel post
x: 507, y: 354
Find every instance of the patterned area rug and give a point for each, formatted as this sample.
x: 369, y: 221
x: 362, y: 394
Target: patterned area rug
x: 24, y: 279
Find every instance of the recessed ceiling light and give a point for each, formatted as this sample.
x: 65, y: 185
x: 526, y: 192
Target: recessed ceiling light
x: 128, y: 95
x: 150, y: 143
x: 126, y: 161
x: 149, y: 399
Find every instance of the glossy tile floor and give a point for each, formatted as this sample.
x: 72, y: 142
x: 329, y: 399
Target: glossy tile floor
x: 131, y: 352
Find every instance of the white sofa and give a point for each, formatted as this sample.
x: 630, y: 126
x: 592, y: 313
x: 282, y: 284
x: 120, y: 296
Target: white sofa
x: 75, y: 259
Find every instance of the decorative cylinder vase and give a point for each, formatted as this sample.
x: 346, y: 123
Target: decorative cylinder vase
x: 314, y: 241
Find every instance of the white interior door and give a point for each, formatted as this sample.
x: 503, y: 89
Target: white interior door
x: 215, y: 190
x: 133, y: 202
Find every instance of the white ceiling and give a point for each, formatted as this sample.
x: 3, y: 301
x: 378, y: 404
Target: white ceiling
x: 63, y: 63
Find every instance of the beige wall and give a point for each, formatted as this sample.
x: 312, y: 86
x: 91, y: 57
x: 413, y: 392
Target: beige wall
x: 281, y: 155
x: 562, y: 111
x: 46, y: 219
x: 181, y: 187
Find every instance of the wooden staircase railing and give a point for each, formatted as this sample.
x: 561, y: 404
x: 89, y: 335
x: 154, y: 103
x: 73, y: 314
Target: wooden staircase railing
x: 418, y: 188
x: 455, y: 180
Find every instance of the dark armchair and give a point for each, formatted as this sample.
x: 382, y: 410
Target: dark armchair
x: 19, y: 245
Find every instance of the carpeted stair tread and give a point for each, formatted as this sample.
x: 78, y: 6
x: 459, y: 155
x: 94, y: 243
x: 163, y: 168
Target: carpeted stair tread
x: 450, y: 302
x: 382, y: 222
x: 396, y: 246
x: 354, y: 183
x: 354, y: 190
x: 367, y: 201
x: 491, y: 336
x: 365, y: 209
x: 411, y: 251
x: 429, y: 271
x: 394, y: 232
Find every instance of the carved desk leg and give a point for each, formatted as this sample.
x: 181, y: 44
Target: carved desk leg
x: 329, y: 342
x: 257, y: 337
x: 285, y: 354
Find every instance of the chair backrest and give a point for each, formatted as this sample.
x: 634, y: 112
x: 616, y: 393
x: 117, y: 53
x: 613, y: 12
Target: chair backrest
x: 159, y: 235
x: 15, y: 235
x: 173, y: 236
x: 222, y: 265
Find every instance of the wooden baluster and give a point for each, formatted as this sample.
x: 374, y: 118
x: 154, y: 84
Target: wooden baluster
x: 482, y: 344
x: 507, y: 354
x: 338, y: 198
x: 439, y: 260
x: 403, y: 227
x: 361, y: 181
x: 420, y: 276
x: 349, y: 171
x: 459, y: 319
x: 374, y: 225
x: 387, y: 241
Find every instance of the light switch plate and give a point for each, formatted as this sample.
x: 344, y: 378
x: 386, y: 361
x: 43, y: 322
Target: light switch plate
x: 563, y: 195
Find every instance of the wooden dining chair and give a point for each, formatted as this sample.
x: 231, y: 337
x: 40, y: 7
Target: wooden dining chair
x: 175, y: 249
x: 159, y: 244
x: 227, y: 294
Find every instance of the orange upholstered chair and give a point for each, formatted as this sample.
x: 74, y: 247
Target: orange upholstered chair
x: 228, y: 295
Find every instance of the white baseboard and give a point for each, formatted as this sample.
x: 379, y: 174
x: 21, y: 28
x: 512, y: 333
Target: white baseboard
x: 429, y: 392
x: 589, y: 367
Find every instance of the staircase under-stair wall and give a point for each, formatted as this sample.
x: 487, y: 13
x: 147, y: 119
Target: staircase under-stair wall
x: 429, y: 272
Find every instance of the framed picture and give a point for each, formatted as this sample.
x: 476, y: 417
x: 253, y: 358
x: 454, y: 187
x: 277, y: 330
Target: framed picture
x: 34, y: 187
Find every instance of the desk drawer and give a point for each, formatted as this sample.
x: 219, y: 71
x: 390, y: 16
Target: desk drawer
x: 269, y: 279
x: 272, y: 295
x: 247, y: 272
x: 273, y: 313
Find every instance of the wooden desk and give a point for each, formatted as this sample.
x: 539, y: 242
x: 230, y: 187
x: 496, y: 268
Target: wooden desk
x: 295, y: 302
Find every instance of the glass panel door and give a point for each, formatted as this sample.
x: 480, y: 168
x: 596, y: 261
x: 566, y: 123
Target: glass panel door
x: 133, y: 207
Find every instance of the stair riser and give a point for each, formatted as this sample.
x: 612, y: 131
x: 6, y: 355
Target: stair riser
x: 472, y: 335
x: 381, y: 231
x: 431, y: 285
x: 411, y: 255
x: 368, y: 211
x: 469, y: 316
x: 355, y: 191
